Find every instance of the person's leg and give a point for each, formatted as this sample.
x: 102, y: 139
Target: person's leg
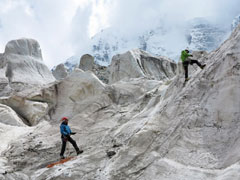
x: 63, y: 147
x: 185, y: 67
x: 196, y: 62
x: 74, y: 144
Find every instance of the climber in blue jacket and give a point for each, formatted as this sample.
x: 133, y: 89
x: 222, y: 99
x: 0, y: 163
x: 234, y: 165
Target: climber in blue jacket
x: 65, y: 136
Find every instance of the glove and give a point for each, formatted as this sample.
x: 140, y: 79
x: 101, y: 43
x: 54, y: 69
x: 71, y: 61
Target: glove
x: 72, y: 133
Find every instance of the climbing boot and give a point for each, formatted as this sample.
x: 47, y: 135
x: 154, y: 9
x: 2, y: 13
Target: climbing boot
x: 203, y: 66
x: 62, y: 157
x: 79, y: 152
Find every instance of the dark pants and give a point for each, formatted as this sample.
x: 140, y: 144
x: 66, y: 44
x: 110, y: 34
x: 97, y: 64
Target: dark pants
x: 64, y: 142
x: 187, y: 62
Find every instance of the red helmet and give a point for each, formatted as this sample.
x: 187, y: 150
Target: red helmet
x: 64, y: 118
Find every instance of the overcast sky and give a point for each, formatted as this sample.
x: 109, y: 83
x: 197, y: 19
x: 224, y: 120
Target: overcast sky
x: 63, y: 27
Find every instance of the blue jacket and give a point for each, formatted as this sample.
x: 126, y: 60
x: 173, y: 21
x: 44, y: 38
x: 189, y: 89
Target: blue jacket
x: 65, y: 129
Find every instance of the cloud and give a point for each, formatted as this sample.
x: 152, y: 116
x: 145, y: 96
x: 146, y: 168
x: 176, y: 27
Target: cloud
x: 80, y: 30
x: 49, y: 22
x: 139, y: 15
x: 224, y: 11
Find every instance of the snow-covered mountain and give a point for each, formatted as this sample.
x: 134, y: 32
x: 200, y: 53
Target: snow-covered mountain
x: 196, y: 34
x: 70, y: 63
x: 110, y: 42
x: 235, y: 22
x: 205, y: 36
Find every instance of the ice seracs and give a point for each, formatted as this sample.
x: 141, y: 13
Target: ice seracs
x: 22, y: 65
x: 60, y: 72
x: 22, y: 73
x: 9, y: 116
x: 138, y: 63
